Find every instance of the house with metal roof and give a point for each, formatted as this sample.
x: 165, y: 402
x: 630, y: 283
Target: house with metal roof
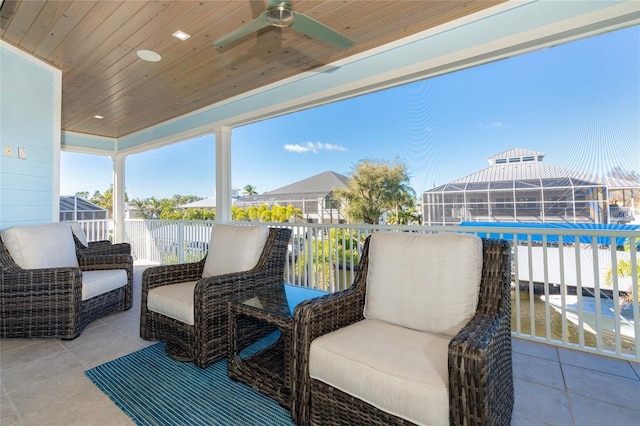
x: 313, y: 196
x: 519, y: 187
x: 73, y: 207
x: 210, y: 202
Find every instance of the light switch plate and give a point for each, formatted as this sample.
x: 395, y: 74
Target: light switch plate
x: 22, y: 153
x: 8, y: 151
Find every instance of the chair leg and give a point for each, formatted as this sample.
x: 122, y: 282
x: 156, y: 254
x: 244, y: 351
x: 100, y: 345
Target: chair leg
x: 178, y: 352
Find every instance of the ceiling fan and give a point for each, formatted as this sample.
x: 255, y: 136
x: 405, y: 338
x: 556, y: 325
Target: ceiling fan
x: 279, y: 13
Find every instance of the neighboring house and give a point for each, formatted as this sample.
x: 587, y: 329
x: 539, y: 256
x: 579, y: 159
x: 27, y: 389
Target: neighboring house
x: 519, y: 187
x: 313, y: 196
x: 73, y: 207
x: 210, y: 202
x: 132, y: 212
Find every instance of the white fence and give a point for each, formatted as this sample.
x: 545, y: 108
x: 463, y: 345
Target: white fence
x: 561, y: 291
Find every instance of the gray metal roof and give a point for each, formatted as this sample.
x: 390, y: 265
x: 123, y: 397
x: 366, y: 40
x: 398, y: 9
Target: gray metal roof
x: 530, y: 173
x: 314, y: 187
x: 69, y: 203
x: 518, y: 152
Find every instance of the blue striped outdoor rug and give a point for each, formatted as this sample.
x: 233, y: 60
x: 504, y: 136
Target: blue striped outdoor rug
x: 154, y: 389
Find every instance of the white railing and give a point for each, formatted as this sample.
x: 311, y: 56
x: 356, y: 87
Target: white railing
x: 97, y: 229
x: 561, y: 294
x: 620, y: 214
x: 168, y: 241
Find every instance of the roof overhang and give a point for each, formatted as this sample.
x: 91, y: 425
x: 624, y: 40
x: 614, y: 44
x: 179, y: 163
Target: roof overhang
x: 509, y: 29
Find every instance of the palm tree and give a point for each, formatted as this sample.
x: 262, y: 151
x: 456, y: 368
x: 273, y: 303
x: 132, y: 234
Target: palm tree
x: 250, y: 190
x: 140, y: 205
x: 153, y: 207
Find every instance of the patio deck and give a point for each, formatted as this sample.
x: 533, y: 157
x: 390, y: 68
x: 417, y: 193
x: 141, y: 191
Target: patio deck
x: 43, y: 380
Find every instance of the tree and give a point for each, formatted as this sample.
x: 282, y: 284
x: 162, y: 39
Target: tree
x: 83, y: 194
x: 238, y: 214
x: 250, y: 190
x: 624, y: 269
x: 253, y: 214
x: 263, y: 213
x: 105, y: 200
x: 153, y: 208
x: 140, y: 205
x: 404, y: 215
x: 376, y: 187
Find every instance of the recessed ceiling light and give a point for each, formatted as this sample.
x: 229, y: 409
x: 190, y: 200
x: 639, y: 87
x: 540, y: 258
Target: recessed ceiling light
x: 99, y: 117
x: 148, y: 55
x: 181, y: 35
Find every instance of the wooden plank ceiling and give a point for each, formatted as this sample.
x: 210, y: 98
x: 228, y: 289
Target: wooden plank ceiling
x: 94, y: 43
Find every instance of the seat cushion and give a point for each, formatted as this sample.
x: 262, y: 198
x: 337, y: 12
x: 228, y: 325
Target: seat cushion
x: 398, y: 370
x: 234, y: 248
x: 95, y: 283
x: 174, y: 301
x: 426, y: 282
x: 78, y: 231
x: 48, y: 245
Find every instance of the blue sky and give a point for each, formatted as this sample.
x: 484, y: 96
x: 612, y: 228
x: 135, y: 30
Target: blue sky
x: 579, y: 103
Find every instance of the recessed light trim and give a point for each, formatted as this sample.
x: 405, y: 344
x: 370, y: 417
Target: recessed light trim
x: 148, y: 55
x: 99, y: 117
x: 181, y: 35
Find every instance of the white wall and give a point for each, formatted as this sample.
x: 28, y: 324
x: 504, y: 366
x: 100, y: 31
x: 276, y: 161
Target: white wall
x: 30, y: 108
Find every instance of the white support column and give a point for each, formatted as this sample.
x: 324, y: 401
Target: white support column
x: 223, y: 174
x: 118, y: 198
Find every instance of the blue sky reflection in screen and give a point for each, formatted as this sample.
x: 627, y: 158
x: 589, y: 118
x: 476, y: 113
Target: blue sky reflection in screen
x: 579, y: 103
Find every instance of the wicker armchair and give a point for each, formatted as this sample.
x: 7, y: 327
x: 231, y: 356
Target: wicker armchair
x: 480, y: 382
x: 205, y: 341
x: 96, y: 248
x: 102, y: 247
x: 48, y: 302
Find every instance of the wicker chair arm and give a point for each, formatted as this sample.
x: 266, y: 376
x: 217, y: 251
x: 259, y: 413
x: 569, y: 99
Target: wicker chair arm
x: 226, y: 287
x: 100, y: 243
x: 93, y: 263
x: 322, y: 315
x: 479, y: 366
x: 102, y: 247
x: 233, y: 283
x: 107, y: 249
x: 312, y: 319
x: 157, y: 276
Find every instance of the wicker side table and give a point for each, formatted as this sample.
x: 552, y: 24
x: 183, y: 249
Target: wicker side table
x: 269, y: 370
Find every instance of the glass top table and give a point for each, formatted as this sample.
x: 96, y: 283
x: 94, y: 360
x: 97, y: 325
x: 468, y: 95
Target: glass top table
x: 253, y: 318
x: 280, y: 299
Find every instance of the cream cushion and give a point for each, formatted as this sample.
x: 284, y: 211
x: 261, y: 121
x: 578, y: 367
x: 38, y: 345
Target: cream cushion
x: 427, y: 282
x: 234, y: 248
x: 174, y: 301
x: 41, y: 246
x: 95, y: 283
x: 400, y: 371
x: 78, y: 231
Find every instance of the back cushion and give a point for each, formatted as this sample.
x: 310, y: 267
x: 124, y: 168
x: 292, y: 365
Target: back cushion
x: 234, y: 248
x: 41, y: 246
x: 78, y: 231
x: 424, y: 282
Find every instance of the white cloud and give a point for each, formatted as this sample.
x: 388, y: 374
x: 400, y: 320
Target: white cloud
x: 494, y: 125
x: 313, y: 147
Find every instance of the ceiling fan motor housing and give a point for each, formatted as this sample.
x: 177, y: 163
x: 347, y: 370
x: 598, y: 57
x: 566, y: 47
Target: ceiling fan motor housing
x: 280, y: 16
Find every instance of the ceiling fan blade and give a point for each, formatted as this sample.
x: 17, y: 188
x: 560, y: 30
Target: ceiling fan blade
x: 256, y: 25
x: 305, y: 25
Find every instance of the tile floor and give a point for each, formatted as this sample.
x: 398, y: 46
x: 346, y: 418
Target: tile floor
x: 43, y: 381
